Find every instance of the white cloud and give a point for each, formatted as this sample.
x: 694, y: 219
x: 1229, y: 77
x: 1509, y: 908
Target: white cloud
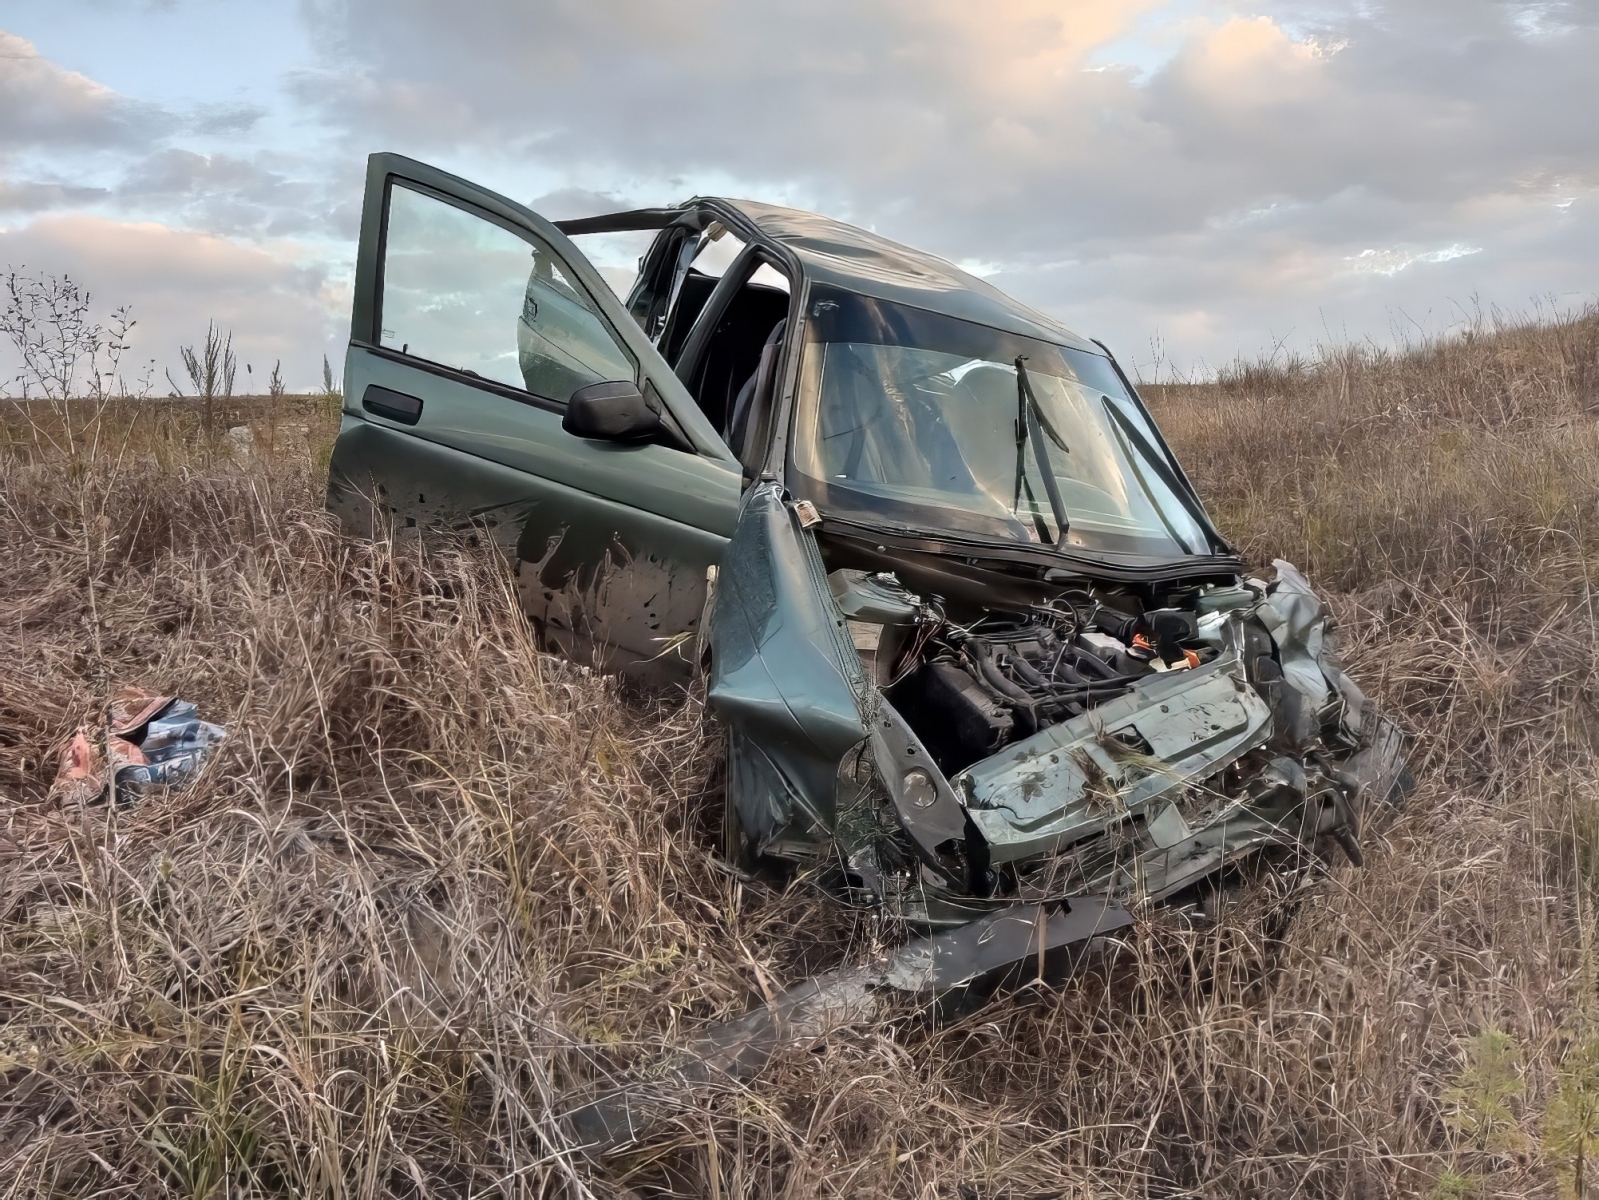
x: 1393, y: 260
x: 35, y: 195
x: 278, y: 305
x: 43, y: 105
x: 1240, y: 170
x: 1541, y: 20
x: 1218, y: 172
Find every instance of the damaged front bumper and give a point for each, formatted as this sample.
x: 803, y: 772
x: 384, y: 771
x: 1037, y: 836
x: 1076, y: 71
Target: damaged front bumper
x: 1257, y: 745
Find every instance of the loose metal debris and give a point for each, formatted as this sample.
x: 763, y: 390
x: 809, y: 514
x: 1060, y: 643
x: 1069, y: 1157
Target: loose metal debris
x: 934, y: 971
x: 146, y: 740
x: 977, y: 647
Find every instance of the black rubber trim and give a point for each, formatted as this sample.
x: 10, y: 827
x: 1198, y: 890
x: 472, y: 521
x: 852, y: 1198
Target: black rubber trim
x: 1162, y: 570
x: 622, y: 222
x: 391, y: 405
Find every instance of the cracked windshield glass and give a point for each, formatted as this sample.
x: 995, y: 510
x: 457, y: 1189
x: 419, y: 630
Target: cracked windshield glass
x: 917, y: 420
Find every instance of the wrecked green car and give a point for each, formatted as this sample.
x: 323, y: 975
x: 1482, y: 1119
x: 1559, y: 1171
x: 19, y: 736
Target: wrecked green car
x: 976, y: 645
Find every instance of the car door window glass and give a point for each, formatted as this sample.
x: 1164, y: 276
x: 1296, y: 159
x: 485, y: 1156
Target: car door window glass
x: 463, y: 292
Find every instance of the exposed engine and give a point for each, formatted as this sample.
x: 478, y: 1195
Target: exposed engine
x: 975, y: 688
x: 1212, y: 724
x: 969, y: 689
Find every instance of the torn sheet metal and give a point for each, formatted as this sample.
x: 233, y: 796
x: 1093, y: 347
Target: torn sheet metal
x: 784, y: 676
x: 1001, y: 948
x: 1072, y: 779
x: 1108, y: 740
x: 146, y: 740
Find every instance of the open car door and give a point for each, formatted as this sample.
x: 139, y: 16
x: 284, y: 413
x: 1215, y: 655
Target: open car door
x: 475, y: 322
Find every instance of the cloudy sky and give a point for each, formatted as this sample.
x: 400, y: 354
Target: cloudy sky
x: 1188, y: 181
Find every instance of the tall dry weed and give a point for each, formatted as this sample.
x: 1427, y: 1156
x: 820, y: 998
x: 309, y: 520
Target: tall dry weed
x: 435, y: 881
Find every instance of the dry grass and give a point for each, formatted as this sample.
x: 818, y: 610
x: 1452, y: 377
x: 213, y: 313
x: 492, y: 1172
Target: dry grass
x: 435, y: 879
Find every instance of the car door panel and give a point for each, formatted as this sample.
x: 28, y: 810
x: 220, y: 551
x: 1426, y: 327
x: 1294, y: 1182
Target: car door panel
x: 611, y: 542
x: 463, y: 493
x: 593, y: 574
x: 527, y: 437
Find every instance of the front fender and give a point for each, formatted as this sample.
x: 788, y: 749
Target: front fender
x: 784, y: 675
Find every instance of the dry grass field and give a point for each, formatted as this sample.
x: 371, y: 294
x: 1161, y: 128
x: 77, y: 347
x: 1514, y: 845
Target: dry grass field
x: 433, y: 881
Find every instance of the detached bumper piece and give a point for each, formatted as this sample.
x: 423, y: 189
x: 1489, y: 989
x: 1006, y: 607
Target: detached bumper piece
x: 939, y: 971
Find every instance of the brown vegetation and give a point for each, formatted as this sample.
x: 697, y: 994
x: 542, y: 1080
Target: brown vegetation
x: 434, y: 879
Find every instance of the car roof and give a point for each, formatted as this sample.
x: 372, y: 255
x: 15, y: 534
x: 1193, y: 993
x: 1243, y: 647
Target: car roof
x: 848, y: 257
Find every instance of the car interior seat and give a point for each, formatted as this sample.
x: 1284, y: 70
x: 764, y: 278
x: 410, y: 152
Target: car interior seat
x: 753, y: 400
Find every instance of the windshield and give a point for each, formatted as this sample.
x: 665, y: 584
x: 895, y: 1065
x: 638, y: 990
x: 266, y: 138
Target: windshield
x: 919, y: 420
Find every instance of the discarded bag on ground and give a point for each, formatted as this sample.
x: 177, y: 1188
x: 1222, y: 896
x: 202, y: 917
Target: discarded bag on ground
x: 145, y: 740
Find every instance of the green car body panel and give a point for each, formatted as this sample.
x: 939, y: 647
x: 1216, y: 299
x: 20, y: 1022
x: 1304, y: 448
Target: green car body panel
x: 644, y: 555
x: 611, y: 542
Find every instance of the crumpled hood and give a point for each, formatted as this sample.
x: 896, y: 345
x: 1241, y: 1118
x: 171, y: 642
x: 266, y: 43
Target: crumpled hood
x: 1079, y: 777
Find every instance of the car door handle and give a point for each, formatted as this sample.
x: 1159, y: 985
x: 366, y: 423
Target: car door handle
x: 393, y: 406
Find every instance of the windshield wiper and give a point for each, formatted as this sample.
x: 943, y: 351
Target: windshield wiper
x: 1159, y: 465
x: 1030, y: 425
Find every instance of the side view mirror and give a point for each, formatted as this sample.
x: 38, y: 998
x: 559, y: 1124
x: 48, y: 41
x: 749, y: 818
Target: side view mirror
x: 612, y: 412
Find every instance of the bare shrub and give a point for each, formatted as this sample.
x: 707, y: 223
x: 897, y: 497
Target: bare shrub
x: 211, y: 371
x: 331, y: 393
x: 64, y: 354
